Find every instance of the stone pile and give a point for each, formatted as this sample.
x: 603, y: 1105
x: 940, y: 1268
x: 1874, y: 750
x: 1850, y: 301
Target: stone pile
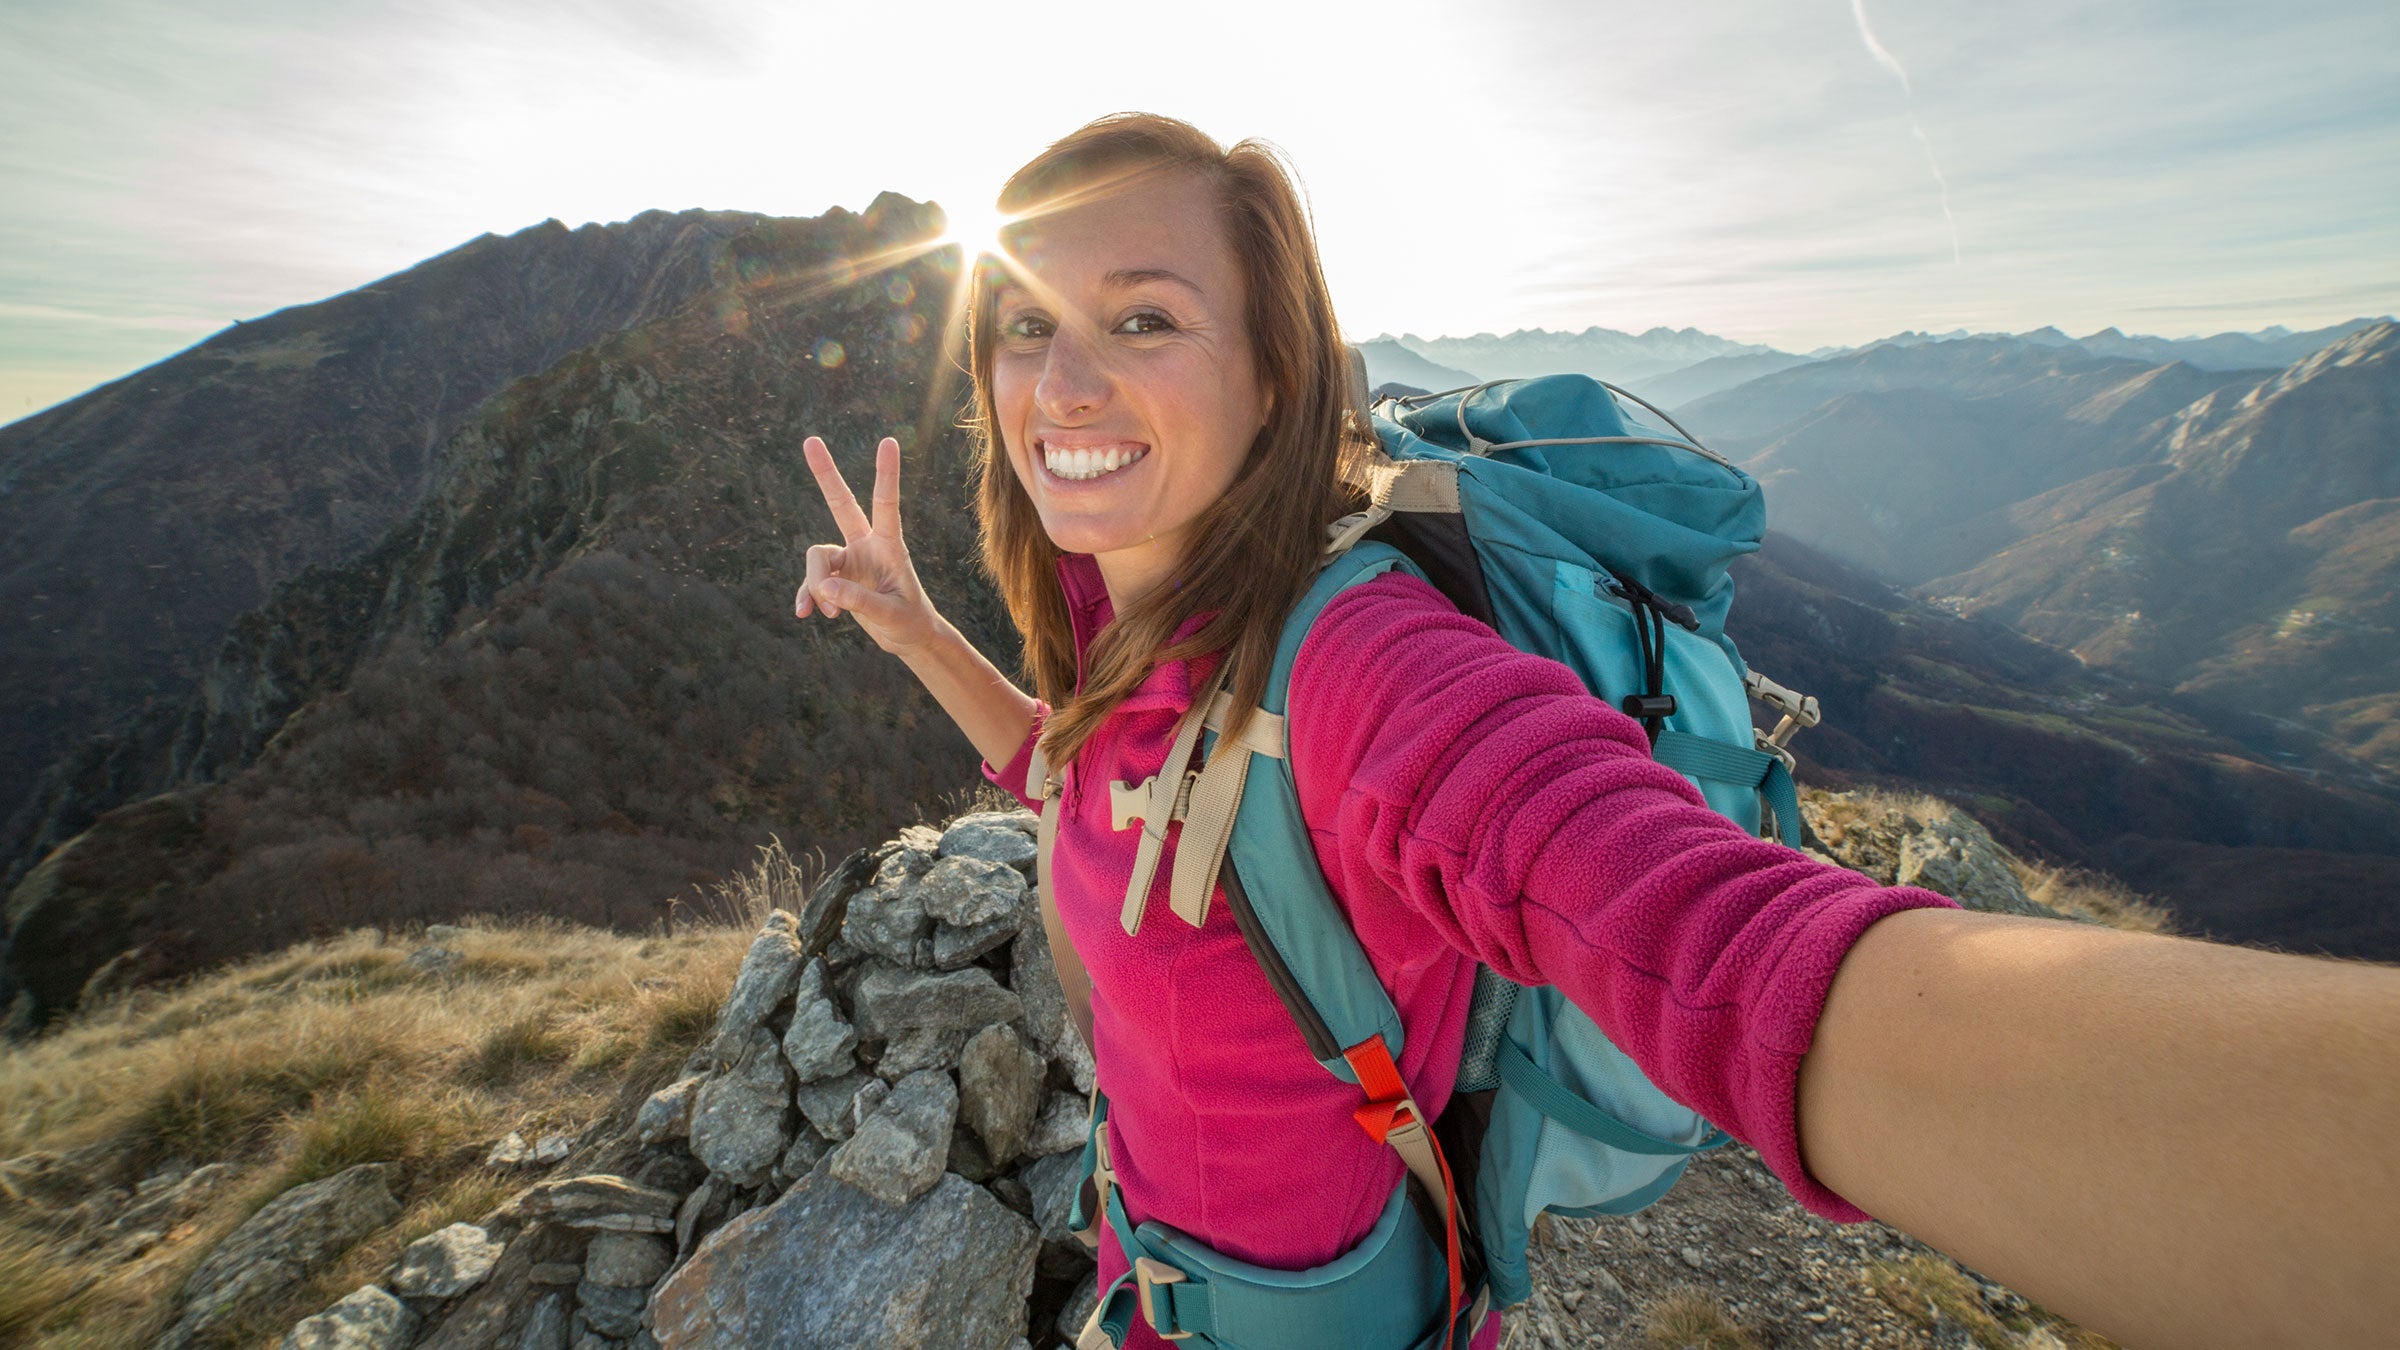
x: 875, y: 1145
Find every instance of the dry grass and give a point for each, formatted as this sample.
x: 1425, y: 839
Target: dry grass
x: 1929, y: 1291
x: 775, y: 881
x: 298, y: 1064
x: 1685, y: 1318
x: 2095, y: 896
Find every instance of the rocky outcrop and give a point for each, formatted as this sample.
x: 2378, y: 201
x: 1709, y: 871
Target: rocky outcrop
x: 872, y: 1145
x: 296, y: 1234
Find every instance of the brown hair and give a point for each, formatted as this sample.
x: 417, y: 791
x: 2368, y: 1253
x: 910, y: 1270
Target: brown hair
x: 1254, y: 549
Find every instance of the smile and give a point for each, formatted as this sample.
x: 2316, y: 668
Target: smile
x: 1086, y: 463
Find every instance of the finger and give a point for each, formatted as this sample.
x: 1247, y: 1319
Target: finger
x: 887, y: 488
x: 847, y: 518
x: 823, y: 561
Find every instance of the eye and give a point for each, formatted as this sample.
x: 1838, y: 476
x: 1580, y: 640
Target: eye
x: 1025, y: 326
x: 1145, y: 323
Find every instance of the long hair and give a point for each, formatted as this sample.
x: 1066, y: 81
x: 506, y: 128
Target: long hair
x: 1254, y: 550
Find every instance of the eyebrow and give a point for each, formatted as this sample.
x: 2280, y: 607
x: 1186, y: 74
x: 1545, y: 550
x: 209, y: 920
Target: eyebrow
x: 1135, y: 276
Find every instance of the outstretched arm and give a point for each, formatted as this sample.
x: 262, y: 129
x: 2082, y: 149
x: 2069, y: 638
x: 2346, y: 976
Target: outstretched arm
x: 2177, y: 1143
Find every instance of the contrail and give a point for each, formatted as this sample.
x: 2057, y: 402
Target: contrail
x: 1884, y: 58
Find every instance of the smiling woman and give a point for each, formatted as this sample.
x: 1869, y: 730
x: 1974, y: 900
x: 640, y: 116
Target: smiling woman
x: 1167, y: 432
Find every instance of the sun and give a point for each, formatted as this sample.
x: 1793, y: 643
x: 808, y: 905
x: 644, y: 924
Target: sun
x: 973, y: 227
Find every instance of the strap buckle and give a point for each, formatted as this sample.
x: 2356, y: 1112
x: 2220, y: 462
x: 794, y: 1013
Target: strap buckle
x: 1150, y: 1274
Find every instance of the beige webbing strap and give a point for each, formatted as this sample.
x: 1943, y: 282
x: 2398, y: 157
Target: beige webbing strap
x: 1037, y: 772
x: 1207, y: 830
x: 1415, y: 1147
x: 1165, y: 788
x: 1262, y: 736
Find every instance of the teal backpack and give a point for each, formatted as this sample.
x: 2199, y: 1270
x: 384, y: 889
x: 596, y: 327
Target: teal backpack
x: 1579, y: 531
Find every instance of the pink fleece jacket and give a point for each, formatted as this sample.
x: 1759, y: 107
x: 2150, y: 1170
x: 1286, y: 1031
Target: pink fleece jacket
x: 1468, y: 802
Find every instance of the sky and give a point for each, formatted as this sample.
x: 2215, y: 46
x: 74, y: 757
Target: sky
x: 1794, y: 172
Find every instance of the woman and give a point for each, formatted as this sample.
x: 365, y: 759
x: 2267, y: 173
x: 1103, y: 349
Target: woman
x: 2158, y: 1137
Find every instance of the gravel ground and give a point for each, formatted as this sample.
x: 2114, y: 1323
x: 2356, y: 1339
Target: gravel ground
x: 1775, y: 1274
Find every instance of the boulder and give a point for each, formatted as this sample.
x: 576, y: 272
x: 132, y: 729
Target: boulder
x: 890, y: 923
x: 991, y: 838
x: 1065, y: 1122
x: 922, y: 1048
x: 546, y: 1326
x: 667, y: 1114
x: 368, y: 1318
x: 827, y: 1264
x: 1000, y: 1090
x: 891, y: 1000
x: 610, y: 1310
x: 1053, y: 1182
x: 955, y: 948
x: 1957, y: 857
x: 808, y: 1148
x: 1034, y: 980
x: 967, y: 892
x: 827, y: 1103
x: 900, y: 1150
x: 295, y: 1235
x: 434, y: 960
x: 627, y: 1260
x: 741, y: 1118
x: 769, y: 970
x: 596, y: 1201
x: 818, y: 1044
x: 446, y: 1263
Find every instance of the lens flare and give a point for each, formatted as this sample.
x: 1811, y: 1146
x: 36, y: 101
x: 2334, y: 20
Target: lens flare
x: 973, y: 228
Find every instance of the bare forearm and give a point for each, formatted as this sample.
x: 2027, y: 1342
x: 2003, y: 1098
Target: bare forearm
x: 2176, y: 1142
x: 987, y: 706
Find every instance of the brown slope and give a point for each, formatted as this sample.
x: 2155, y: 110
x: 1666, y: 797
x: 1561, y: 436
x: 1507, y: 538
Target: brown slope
x: 138, y: 521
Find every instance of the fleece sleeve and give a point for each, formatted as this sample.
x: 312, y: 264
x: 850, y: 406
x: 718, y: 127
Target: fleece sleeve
x: 1011, y: 776
x: 1526, y: 821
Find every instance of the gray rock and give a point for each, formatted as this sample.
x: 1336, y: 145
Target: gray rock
x: 741, y: 1118
x: 1019, y: 819
x: 891, y: 1000
x: 296, y: 1234
x: 627, y: 1260
x: 445, y: 932
x: 900, y: 1151
x: 955, y: 948
x: 769, y: 969
x: 869, y: 1100
x: 1064, y: 1124
x: 808, y: 1148
x: 920, y: 838
x: 596, y: 1201
x: 610, y: 1310
x: 819, y: 1043
x: 1000, y: 1090
x: 922, y: 1048
x: 702, y: 1210
x: 446, y: 1263
x: 1053, y: 1182
x: 1957, y: 857
x: 830, y: 1265
x: 890, y: 922
x: 827, y: 1103
x: 1035, y: 981
x: 554, y: 1272
x: 434, y: 960
x: 969, y: 892
x: 668, y: 1112
x: 1077, y: 1310
x: 546, y: 1325
x: 991, y: 840
x: 368, y: 1318
x: 829, y: 904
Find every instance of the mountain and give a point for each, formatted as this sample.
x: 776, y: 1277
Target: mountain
x: 2271, y: 348
x: 2247, y: 827
x: 568, y: 681
x: 1676, y: 388
x: 2256, y: 563
x: 1622, y: 358
x: 139, y: 520
x: 1390, y: 363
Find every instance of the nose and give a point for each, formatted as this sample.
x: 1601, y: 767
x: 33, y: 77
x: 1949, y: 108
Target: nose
x: 1075, y: 378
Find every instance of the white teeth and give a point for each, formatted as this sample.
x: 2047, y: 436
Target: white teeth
x: 1083, y: 465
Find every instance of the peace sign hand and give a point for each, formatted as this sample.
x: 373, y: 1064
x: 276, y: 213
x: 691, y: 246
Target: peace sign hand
x: 867, y: 575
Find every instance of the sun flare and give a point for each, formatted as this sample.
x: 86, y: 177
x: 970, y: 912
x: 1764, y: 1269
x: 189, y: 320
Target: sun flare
x: 973, y: 227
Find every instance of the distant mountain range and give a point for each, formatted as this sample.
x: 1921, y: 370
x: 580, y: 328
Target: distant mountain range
x: 1672, y: 367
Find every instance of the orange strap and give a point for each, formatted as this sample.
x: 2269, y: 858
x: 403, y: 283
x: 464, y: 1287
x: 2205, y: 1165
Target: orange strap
x: 1390, y: 1116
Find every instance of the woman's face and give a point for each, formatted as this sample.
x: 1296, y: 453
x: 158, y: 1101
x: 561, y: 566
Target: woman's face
x: 1122, y: 373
